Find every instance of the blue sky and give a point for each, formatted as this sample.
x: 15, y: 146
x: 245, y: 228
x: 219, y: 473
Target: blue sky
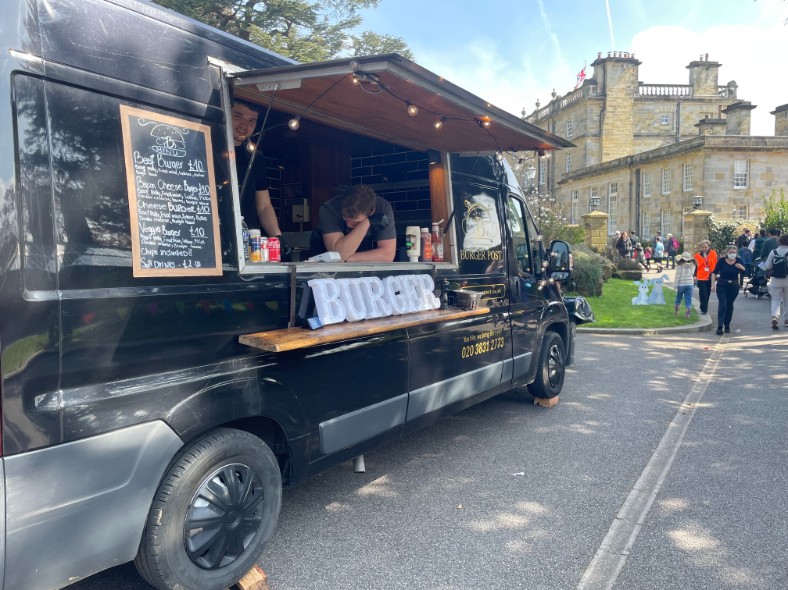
x: 512, y: 53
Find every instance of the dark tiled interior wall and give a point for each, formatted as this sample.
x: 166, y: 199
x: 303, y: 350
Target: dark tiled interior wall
x: 391, y: 166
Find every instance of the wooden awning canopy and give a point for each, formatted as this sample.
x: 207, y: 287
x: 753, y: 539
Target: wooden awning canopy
x: 370, y: 96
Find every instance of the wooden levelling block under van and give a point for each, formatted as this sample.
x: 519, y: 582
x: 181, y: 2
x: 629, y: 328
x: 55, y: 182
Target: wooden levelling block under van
x: 254, y: 579
x: 546, y: 402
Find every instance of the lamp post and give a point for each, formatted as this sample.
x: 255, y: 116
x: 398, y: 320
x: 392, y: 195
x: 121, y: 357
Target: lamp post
x: 593, y: 203
x: 697, y: 202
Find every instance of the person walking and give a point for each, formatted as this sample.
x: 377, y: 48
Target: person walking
x: 671, y: 249
x: 659, y: 253
x: 705, y: 261
x: 776, y: 264
x: 725, y: 282
x: 684, y: 281
x: 624, y: 246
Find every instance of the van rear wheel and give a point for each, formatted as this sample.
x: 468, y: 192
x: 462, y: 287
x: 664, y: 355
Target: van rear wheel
x: 212, y: 514
x: 552, y: 367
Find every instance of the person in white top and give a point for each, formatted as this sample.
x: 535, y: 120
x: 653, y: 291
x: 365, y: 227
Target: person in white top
x: 684, y: 281
x: 778, y: 285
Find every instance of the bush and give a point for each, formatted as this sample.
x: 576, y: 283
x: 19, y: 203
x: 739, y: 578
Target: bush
x: 588, y: 271
x: 722, y: 233
x: 776, y: 211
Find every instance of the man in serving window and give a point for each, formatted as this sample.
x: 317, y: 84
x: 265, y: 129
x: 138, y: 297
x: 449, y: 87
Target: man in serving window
x: 359, y: 225
x: 256, y: 207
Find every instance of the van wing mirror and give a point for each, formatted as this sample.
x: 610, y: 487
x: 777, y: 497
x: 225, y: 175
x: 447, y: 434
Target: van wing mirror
x: 560, y: 265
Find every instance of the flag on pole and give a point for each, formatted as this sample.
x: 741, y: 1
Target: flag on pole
x: 580, y: 77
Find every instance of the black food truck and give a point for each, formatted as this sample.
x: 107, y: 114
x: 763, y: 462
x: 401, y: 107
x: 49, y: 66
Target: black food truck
x: 159, y: 387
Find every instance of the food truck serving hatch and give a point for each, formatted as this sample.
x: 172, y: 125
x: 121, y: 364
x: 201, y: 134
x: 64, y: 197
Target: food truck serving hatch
x: 393, y: 99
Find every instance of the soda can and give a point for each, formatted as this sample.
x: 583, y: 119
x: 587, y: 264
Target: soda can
x: 274, y: 253
x: 254, y: 246
x: 264, y: 249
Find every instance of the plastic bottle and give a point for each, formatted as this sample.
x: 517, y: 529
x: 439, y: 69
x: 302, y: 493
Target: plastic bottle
x: 437, y: 243
x: 426, y: 245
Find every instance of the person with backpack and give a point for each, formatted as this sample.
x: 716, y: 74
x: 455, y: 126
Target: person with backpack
x: 671, y: 249
x: 777, y: 265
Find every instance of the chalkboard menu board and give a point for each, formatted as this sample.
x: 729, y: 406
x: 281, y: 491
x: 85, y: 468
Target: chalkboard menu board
x: 172, y: 195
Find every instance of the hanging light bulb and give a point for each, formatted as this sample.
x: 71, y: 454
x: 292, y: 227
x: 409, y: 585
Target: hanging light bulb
x: 438, y: 123
x: 250, y: 145
x: 484, y: 122
x: 294, y: 123
x: 413, y: 110
x: 498, y: 156
x: 356, y: 79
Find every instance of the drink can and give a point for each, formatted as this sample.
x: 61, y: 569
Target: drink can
x: 274, y: 253
x: 264, y: 251
x: 254, y: 246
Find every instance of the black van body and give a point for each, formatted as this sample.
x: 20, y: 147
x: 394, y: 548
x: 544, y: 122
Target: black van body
x: 129, y: 405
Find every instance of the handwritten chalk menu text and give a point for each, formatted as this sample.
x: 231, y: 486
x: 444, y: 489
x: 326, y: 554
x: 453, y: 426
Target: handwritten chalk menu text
x: 172, y: 195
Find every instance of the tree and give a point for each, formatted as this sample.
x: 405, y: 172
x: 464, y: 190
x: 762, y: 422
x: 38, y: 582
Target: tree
x: 305, y: 31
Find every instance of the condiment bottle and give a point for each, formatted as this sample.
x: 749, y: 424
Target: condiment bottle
x: 426, y: 245
x: 412, y: 243
x: 437, y: 243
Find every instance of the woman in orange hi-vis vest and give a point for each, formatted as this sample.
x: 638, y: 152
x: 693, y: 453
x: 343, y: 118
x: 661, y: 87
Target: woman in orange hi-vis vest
x: 705, y: 261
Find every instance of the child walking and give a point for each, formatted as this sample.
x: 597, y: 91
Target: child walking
x: 684, y: 282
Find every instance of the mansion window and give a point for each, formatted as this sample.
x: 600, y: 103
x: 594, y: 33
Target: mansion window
x: 664, y: 119
x: 568, y: 163
x: 741, y: 173
x: 574, y: 207
x: 687, y: 177
x: 740, y: 212
x: 664, y: 221
x: 645, y: 227
x: 570, y: 129
x: 647, y: 184
x: 612, y: 207
x: 593, y: 193
x: 667, y: 180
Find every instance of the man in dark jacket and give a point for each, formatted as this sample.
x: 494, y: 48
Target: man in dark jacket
x: 770, y: 243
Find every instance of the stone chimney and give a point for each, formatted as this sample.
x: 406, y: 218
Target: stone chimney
x: 617, y: 81
x: 704, y: 76
x: 709, y: 126
x: 781, y: 120
x: 738, y: 118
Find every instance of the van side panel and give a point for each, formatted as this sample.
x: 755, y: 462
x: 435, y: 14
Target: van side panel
x: 84, y: 33
x: 78, y: 508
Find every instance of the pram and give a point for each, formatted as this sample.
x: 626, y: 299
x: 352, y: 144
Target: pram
x: 757, y: 282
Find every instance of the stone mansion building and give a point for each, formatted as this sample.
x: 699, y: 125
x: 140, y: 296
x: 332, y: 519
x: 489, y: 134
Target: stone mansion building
x: 649, y: 154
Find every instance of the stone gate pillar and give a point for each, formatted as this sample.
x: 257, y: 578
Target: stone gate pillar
x: 695, y: 229
x: 595, y: 225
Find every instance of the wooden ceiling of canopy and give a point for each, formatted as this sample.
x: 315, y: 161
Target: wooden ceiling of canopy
x: 327, y: 93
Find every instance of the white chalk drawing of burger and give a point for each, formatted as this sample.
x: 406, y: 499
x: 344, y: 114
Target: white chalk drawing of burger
x: 169, y: 140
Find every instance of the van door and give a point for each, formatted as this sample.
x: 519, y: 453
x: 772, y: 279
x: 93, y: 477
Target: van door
x: 526, y: 301
x: 457, y: 360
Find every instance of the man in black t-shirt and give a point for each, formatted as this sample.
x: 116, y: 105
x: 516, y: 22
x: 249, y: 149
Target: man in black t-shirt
x: 359, y: 225
x: 256, y: 207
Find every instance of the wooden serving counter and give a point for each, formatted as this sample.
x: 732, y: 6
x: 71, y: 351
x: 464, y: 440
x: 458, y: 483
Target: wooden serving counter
x: 295, y: 338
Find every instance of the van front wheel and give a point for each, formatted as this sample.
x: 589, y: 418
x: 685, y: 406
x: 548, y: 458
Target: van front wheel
x: 212, y: 514
x: 552, y: 368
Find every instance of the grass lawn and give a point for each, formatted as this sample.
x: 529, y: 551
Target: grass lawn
x: 614, y: 308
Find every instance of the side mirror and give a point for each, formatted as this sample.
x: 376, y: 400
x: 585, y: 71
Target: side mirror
x: 560, y: 261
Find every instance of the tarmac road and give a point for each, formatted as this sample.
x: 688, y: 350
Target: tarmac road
x: 664, y: 465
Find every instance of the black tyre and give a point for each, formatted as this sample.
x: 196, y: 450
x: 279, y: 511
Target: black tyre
x: 552, y: 367
x: 212, y: 514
